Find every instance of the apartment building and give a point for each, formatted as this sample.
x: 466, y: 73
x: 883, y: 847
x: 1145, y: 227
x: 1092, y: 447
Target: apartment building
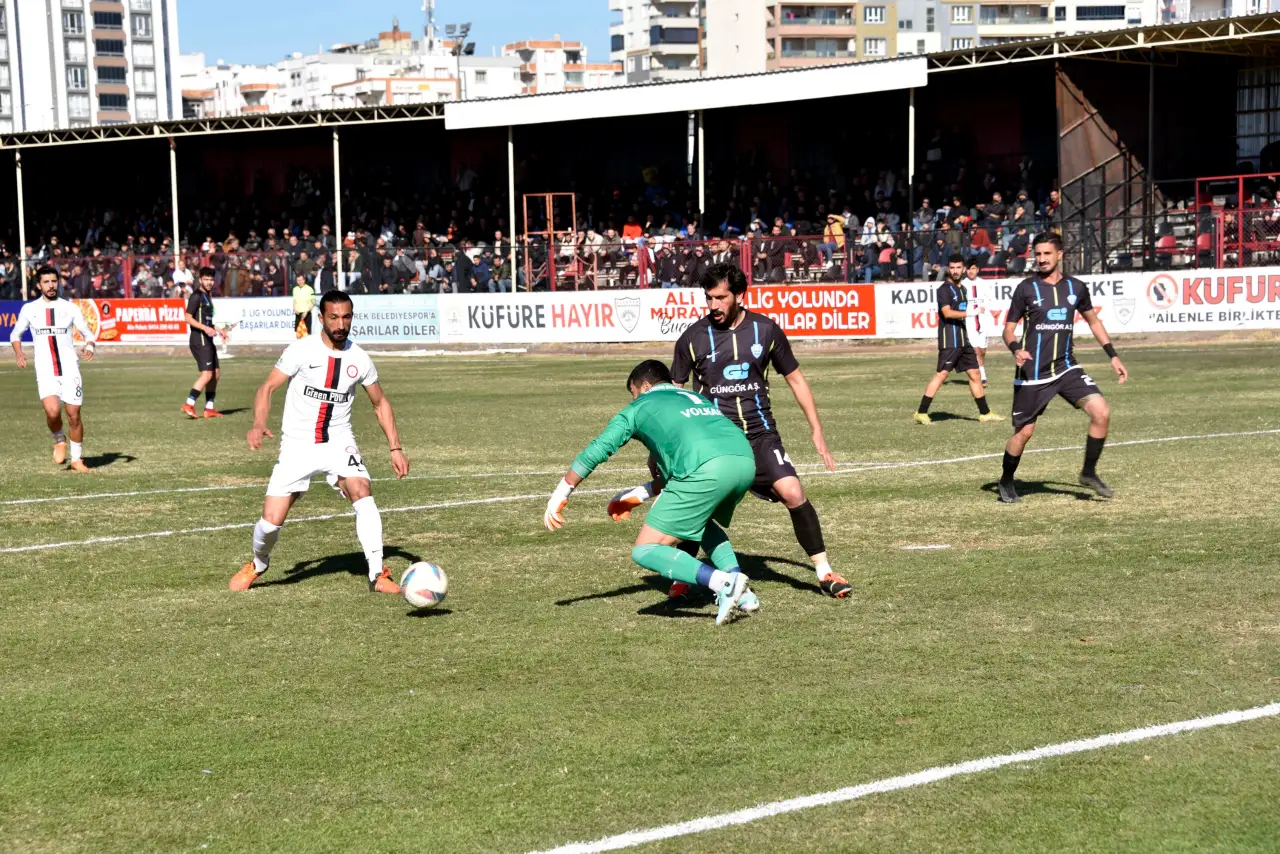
x: 804, y: 35
x: 555, y: 65
x: 658, y: 39
x: 72, y: 63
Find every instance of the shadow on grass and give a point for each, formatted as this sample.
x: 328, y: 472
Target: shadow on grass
x: 109, y: 458
x: 1045, y: 487
x: 235, y: 411
x: 935, y: 417
x: 352, y: 563
x: 422, y: 613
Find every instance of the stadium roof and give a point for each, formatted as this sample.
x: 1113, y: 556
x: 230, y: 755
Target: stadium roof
x: 1255, y: 35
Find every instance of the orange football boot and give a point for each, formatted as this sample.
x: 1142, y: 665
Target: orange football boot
x: 212, y: 413
x: 245, y: 577
x: 189, y: 411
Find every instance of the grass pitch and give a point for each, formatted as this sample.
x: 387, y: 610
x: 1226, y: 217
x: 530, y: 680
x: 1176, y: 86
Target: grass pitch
x: 555, y: 698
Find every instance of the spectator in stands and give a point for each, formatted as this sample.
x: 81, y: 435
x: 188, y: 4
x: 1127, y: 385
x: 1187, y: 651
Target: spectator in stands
x: 832, y: 239
x: 938, y: 255
x: 390, y: 280
x: 667, y: 267
x: 324, y: 275
x: 925, y: 218
x: 724, y: 254
x: 632, y: 229
x: 437, y: 276
x: 464, y: 278
x: 981, y: 248
x: 483, y: 270
x: 304, y: 265
x: 694, y: 266
x: 501, y: 283
x: 1019, y: 245
x: 1050, y: 213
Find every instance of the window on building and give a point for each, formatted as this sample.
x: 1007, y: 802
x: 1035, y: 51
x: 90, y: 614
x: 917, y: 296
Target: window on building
x: 929, y: 20
x: 6, y: 104
x: 113, y: 102
x: 4, y: 50
x: 920, y: 47
x: 140, y: 5
x: 617, y: 43
x: 572, y: 57
x: 1135, y: 16
x: 2, y: 24
x: 73, y: 23
x: 482, y: 77
x: 108, y: 21
x: 873, y: 14
x: 144, y: 80
x: 147, y: 109
x: 905, y: 25
x: 110, y: 74
x: 142, y: 26
x: 673, y: 35
x: 4, y: 76
x: 144, y: 54
x: 875, y: 47
x: 108, y: 47
x: 1059, y: 13
x: 961, y: 44
x: 75, y: 51
x: 77, y: 77
x: 962, y: 14
x: 78, y: 106
x: 6, y: 126
x: 574, y: 78
x: 1099, y: 13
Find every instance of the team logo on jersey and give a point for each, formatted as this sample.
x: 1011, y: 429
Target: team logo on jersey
x: 964, y: 306
x: 1057, y: 314
x: 352, y: 370
x: 737, y: 372
x: 1162, y: 292
x: 628, y: 311
x: 1124, y: 309
x: 757, y: 351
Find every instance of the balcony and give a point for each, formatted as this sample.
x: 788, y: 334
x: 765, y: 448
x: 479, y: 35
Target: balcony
x: 140, y: 5
x: 816, y: 54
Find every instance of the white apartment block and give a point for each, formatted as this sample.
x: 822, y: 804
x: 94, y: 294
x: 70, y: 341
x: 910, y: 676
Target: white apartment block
x: 658, y: 39
x: 73, y: 63
x: 555, y: 65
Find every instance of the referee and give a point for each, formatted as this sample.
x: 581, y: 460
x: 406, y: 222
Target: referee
x: 304, y: 299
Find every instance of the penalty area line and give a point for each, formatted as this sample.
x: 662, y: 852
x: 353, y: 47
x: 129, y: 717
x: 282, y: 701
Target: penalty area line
x: 636, y: 838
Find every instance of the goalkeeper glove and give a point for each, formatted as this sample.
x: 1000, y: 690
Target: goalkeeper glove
x: 553, y: 517
x: 621, y: 505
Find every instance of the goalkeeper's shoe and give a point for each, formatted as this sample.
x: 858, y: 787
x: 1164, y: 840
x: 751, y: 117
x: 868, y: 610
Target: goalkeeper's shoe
x: 990, y: 416
x: 384, y: 583
x: 59, y: 453
x: 835, y: 586
x: 729, y: 597
x: 749, y: 603
x: 679, y: 593
x: 189, y: 410
x: 923, y: 418
x: 621, y: 505
x: 244, y: 578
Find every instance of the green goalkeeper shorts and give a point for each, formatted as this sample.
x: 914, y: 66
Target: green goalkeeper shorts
x: 712, y: 492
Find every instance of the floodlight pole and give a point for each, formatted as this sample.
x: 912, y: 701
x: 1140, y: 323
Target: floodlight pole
x: 22, y: 222
x: 337, y: 214
x: 511, y: 203
x: 173, y: 194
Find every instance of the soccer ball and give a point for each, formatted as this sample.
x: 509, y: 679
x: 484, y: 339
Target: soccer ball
x: 424, y: 585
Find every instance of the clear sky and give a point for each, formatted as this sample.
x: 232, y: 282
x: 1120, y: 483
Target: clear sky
x: 252, y: 31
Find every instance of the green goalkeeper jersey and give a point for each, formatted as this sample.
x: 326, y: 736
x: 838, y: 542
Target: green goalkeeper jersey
x: 681, y: 429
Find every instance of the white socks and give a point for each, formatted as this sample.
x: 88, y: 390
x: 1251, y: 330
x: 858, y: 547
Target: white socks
x: 821, y: 566
x: 264, y: 540
x: 369, y: 532
x: 719, y: 580
x: 77, y: 450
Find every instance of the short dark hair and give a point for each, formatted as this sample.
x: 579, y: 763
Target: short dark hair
x: 1048, y: 237
x: 649, y: 371
x: 973, y: 262
x: 331, y: 297
x: 207, y: 271
x: 727, y: 273
x: 955, y: 259
x: 46, y: 270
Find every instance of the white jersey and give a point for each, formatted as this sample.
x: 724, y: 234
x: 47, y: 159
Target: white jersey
x: 980, y: 292
x: 51, y: 323
x: 322, y: 386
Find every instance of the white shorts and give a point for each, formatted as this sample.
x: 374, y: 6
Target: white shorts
x: 977, y: 338
x: 68, y: 387
x: 299, y: 461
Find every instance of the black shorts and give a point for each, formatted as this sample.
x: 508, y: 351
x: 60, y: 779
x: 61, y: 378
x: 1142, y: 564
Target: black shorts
x: 772, y: 464
x: 206, y: 356
x: 958, y: 359
x: 1030, y: 400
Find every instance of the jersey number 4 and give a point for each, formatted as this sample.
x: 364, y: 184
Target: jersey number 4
x: 783, y: 459
x: 354, y: 462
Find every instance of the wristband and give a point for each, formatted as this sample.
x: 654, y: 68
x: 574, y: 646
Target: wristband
x: 393, y: 450
x: 1110, y: 350
x: 1013, y: 346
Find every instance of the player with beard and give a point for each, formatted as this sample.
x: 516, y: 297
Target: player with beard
x: 955, y: 353
x: 728, y: 354
x: 1046, y: 305
x: 322, y: 372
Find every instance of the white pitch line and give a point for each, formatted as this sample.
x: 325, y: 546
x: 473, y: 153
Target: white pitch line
x: 509, y: 498
x: 924, y: 548
x: 907, y: 781
x: 124, y: 538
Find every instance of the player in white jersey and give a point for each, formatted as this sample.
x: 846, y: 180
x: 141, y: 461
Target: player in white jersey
x: 977, y: 322
x: 58, y: 382
x: 322, y: 372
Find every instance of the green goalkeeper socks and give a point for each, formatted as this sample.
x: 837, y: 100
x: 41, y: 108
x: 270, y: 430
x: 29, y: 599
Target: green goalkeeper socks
x: 668, y: 562
x: 716, y: 544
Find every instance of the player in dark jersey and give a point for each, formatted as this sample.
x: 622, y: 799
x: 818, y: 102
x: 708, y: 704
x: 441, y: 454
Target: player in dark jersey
x: 1046, y: 365
x: 203, y: 333
x: 955, y: 352
x: 727, y: 355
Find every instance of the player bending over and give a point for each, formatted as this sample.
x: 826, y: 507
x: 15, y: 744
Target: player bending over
x: 322, y: 372
x: 1046, y: 304
x: 707, y: 465
x: 955, y: 350
x: 58, y: 382
x: 728, y: 353
x: 203, y: 334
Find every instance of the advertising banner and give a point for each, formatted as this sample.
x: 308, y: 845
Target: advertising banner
x: 9, y: 318
x: 255, y: 320
x: 1210, y: 300
x: 404, y: 319
x: 135, y: 321
x: 570, y: 316
x: 818, y: 311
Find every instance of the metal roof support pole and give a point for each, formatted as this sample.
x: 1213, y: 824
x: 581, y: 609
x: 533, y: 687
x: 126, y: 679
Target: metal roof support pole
x: 511, y: 204
x: 1148, y: 202
x: 339, y: 242
x: 911, y: 154
x: 702, y: 169
x: 173, y: 199
x: 22, y: 222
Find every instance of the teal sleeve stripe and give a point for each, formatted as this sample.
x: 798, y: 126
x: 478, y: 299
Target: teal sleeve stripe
x: 581, y: 469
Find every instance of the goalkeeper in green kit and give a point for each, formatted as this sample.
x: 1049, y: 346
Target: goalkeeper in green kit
x: 706, y: 465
